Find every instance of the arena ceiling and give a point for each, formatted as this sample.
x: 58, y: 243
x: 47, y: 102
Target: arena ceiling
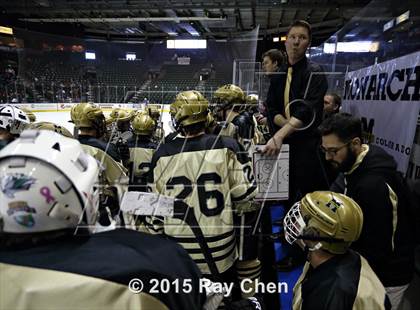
x: 159, y: 19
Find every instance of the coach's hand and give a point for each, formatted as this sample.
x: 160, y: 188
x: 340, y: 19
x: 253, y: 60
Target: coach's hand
x: 273, y: 146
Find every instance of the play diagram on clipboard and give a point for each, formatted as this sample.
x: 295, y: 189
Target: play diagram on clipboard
x: 272, y: 174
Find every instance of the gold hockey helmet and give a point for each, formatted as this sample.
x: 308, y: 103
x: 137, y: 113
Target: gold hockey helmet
x: 227, y: 96
x: 252, y: 99
x: 121, y: 115
x: 333, y: 220
x: 192, y: 108
x: 88, y: 115
x: 52, y: 127
x: 143, y: 124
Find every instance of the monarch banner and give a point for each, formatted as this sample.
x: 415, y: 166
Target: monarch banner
x: 386, y: 96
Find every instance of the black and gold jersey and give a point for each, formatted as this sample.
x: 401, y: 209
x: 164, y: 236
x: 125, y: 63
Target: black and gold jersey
x: 241, y: 127
x: 344, y: 282
x: 111, y: 172
x: 94, y: 272
x: 228, y: 129
x: 210, y: 174
x: 141, y: 152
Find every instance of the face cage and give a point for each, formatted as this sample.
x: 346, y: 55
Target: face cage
x: 174, y: 123
x: 293, y: 224
x: 220, y: 105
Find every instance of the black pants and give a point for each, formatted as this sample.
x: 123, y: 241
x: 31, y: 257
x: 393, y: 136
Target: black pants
x: 306, y: 171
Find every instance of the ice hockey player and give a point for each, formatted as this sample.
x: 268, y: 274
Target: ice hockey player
x: 90, y: 122
x: 48, y: 258
x: 324, y: 224
x: 141, y: 150
x: 211, y: 174
x: 89, y: 119
x: 230, y: 109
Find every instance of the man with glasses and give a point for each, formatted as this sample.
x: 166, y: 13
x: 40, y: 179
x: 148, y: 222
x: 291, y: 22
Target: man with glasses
x: 369, y: 176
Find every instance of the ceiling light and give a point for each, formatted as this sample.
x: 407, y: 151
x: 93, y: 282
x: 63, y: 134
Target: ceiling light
x: 403, y: 17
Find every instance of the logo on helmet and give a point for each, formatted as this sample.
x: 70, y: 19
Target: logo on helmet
x: 333, y: 205
x: 12, y: 183
x: 26, y: 220
x: 19, y: 206
x: 24, y: 216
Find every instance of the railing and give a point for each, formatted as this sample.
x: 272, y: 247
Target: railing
x: 20, y: 91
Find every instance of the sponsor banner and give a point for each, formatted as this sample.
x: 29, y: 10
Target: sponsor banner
x: 38, y: 106
x: 64, y: 106
x: 386, y: 96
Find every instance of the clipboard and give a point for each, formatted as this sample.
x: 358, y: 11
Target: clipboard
x: 271, y: 174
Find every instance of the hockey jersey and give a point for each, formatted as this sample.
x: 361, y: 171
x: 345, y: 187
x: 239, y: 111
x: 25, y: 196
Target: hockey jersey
x: 112, y: 172
x: 94, y: 272
x: 344, y: 282
x: 210, y: 174
x: 141, y: 152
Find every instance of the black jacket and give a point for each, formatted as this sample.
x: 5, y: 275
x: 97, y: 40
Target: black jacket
x: 391, y: 257
x: 344, y: 282
x: 309, y: 83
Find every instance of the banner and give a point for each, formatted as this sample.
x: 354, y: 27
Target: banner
x: 387, y: 98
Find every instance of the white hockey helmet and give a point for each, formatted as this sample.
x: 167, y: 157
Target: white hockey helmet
x: 46, y: 183
x: 13, y: 119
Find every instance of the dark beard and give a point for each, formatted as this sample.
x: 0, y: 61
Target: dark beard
x: 348, y: 163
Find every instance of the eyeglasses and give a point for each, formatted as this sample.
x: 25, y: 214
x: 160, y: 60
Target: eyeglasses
x: 333, y: 150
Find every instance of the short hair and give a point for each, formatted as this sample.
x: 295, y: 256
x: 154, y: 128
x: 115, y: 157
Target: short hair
x: 275, y: 55
x: 336, y: 98
x: 304, y: 24
x: 343, y: 125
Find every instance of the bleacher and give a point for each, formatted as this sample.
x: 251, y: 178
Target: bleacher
x: 58, y: 76
x: 172, y: 79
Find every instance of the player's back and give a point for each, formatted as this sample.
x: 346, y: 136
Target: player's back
x: 141, y: 152
x: 109, y: 148
x: 209, y: 173
x: 94, y: 272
